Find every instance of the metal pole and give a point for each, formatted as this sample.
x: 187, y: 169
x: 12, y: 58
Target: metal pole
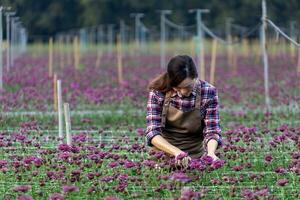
x: 143, y: 37
x: 8, y: 14
x: 24, y: 40
x: 200, y: 43
x: 122, y: 31
x: 181, y: 33
x: 163, y: 14
x: 7, y: 42
x: 229, y: 39
x: 293, y: 35
x: 93, y: 35
x: 110, y: 37
x: 137, y: 20
x: 265, y: 55
x: 1, y: 63
x: 11, y: 58
x: 17, y: 36
x: 100, y: 34
x: 82, y: 39
x: 292, y: 29
x: 14, y: 31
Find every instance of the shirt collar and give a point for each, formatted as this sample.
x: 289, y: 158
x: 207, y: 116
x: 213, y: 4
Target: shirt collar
x: 194, y: 92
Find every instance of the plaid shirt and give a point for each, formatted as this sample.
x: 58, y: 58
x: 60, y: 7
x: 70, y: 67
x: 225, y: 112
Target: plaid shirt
x: 209, y: 108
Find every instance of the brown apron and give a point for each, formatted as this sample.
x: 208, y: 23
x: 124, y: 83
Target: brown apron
x: 183, y: 129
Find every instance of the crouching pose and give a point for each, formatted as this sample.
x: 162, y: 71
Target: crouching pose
x: 182, y: 112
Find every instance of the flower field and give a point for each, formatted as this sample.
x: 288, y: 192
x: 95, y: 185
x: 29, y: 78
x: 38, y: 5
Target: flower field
x: 108, y: 159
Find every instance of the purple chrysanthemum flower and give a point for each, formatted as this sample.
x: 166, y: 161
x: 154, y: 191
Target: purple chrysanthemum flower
x: 247, y: 194
x: 237, y: 168
x: 80, y: 137
x: 76, y: 172
x: 187, y: 193
x: 111, y: 198
x: 116, y: 146
x: 3, y: 163
x: 70, y: 188
x: 65, y: 156
x: 280, y: 170
x: 90, y: 175
x: 197, y: 164
x: 64, y: 147
x: 159, y: 154
x: 282, y: 182
x: 218, y: 164
x: 121, y: 187
x: 262, y: 192
x: 294, y: 156
x: 113, y: 164
x: 181, y: 156
x: 180, y: 176
x: 106, y: 178
x: 149, y: 163
x: 268, y: 158
x: 56, y: 196
x: 129, y: 164
x: 207, y: 159
x: 22, y: 188
x: 25, y: 197
x: 140, y: 131
x: 91, y: 189
x: 123, y: 178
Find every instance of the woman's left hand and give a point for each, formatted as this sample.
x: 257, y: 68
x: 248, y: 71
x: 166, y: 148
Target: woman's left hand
x: 213, y: 156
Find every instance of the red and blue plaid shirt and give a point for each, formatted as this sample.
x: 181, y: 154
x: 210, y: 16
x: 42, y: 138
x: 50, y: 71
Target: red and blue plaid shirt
x: 209, y: 109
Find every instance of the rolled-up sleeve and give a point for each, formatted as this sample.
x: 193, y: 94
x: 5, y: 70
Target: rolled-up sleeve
x: 212, y: 129
x: 153, y: 117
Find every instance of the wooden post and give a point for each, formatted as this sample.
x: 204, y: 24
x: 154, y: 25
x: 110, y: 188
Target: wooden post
x: 229, y: 52
x: 277, y: 45
x: 99, y: 56
x: 293, y: 50
x: 246, y: 48
x: 292, y: 33
x: 213, y: 62
x: 234, y: 58
x: 192, y: 48
x: 69, y: 49
x: 202, y: 63
x: 60, y: 110
x: 119, y: 57
x: 298, y: 62
x: 62, y: 52
x: 76, y: 51
x: 68, y: 123
x: 257, y: 53
x: 285, y: 48
x: 55, y: 92
x: 234, y: 63
x: 1, y: 48
x: 50, y: 65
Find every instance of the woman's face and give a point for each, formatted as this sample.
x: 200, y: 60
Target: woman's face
x: 186, y: 87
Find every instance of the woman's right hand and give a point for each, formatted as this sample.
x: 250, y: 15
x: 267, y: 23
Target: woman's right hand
x: 162, y: 144
x: 182, y: 159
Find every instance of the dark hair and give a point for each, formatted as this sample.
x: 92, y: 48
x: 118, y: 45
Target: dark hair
x: 180, y: 67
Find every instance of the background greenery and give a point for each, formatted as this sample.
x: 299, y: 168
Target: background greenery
x: 47, y: 17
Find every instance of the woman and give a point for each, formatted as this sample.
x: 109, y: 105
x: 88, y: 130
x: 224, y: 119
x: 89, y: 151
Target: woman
x: 182, y: 112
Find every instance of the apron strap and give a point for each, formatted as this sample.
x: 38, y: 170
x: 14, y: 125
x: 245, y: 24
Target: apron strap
x: 165, y: 108
x: 198, y: 99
